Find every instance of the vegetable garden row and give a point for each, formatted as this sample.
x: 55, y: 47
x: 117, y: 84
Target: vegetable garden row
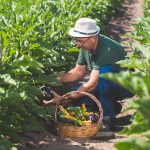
x: 34, y: 48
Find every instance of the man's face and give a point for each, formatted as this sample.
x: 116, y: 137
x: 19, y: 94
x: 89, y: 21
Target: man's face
x: 85, y: 43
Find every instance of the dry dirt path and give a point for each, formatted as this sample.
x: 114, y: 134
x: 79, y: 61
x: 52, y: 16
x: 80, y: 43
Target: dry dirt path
x: 46, y: 140
x: 124, y: 22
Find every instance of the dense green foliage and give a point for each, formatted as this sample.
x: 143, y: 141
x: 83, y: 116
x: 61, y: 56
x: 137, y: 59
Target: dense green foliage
x: 138, y: 82
x: 34, y: 48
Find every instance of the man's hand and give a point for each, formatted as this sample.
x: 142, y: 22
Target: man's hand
x: 72, y: 96
x: 53, y: 101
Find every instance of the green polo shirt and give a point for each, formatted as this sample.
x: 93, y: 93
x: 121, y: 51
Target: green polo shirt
x: 108, y: 52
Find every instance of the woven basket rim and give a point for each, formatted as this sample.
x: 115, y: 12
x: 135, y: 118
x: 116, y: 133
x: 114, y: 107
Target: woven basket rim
x: 67, y: 124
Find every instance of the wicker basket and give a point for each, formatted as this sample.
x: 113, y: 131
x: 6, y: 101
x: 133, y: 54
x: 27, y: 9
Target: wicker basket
x: 73, y: 131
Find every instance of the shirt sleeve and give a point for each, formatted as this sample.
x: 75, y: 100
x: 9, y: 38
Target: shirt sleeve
x: 81, y: 58
x: 95, y: 66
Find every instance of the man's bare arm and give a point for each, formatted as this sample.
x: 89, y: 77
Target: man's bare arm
x: 73, y: 75
x: 88, y: 86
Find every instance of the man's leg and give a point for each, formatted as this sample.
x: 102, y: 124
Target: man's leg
x: 110, y: 92
x: 106, y: 96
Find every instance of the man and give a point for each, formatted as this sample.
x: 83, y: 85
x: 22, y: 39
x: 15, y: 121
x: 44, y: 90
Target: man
x: 99, y: 54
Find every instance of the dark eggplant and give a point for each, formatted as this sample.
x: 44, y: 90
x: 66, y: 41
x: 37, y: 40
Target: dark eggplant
x: 93, y: 117
x: 47, y: 95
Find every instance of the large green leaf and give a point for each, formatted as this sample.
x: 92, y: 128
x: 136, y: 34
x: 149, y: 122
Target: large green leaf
x: 134, y: 144
x: 50, y: 80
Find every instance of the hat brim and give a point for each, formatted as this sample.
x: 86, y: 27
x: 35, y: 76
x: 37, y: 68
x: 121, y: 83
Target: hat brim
x: 77, y: 34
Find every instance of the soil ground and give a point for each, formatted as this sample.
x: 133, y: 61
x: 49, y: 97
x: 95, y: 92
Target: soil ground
x: 105, y: 139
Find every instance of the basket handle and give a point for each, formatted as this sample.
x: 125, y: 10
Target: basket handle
x: 87, y: 94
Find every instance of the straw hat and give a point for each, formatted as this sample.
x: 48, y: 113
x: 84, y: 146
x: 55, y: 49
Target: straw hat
x: 84, y: 27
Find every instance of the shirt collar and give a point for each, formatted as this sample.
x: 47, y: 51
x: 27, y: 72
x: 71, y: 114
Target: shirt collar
x: 97, y: 47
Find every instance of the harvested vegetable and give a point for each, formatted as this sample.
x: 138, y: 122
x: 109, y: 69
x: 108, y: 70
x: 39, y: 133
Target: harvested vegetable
x: 93, y: 117
x: 77, y: 115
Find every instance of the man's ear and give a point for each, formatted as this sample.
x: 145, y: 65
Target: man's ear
x: 93, y: 37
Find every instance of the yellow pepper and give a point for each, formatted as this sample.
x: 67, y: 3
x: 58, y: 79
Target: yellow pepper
x: 63, y: 110
x: 89, y: 122
x: 83, y: 107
